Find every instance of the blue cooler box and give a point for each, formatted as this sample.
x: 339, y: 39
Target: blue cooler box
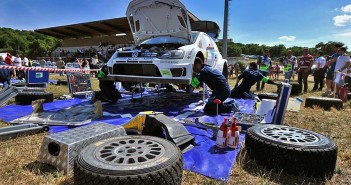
x: 37, y: 77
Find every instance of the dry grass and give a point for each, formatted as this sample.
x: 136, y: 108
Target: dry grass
x: 19, y: 166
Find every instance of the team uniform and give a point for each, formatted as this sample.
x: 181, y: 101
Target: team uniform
x: 216, y: 81
x: 289, y: 64
x: 264, y: 65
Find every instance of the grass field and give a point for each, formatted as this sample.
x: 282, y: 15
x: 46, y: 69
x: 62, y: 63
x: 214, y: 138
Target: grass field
x: 18, y: 157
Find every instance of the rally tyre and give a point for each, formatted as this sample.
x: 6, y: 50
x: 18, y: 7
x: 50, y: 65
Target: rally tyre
x: 348, y: 96
x: 270, y: 96
x: 26, y: 97
x: 293, y: 150
x: 139, y: 160
x: 323, y: 102
x: 225, y: 70
x: 295, y: 89
x: 19, y: 85
x: 62, y: 82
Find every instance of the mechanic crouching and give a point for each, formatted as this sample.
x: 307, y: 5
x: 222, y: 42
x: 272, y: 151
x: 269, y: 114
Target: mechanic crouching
x: 108, y: 91
x: 216, y: 81
x: 249, y: 77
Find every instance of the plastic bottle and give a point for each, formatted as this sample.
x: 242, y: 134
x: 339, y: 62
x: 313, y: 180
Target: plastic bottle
x: 222, y: 134
x: 233, y: 135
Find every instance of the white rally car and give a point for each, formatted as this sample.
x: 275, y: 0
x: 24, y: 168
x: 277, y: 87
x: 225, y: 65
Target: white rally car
x: 166, y: 45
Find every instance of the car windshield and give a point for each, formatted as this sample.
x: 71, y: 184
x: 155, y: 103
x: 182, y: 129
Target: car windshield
x: 165, y: 40
x: 194, y: 36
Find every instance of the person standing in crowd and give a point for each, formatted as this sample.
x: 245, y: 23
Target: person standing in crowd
x: 276, y: 72
x: 18, y: 62
x: 319, y: 72
x: 236, y: 67
x: 264, y: 64
x: 25, y: 61
x: 304, y: 69
x: 60, y: 65
x: 342, y: 64
x: 330, y: 73
x: 94, y: 64
x: 289, y: 64
x: 348, y: 77
x: 42, y: 62
x: 8, y: 59
x: 5, y: 74
x: 85, y: 64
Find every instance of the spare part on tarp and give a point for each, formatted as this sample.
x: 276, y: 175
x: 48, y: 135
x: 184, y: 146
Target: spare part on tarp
x: 7, y: 93
x: 162, y: 126
x: 60, y: 149
x: 129, y: 160
x: 11, y: 132
x: 293, y: 150
x: 72, y: 116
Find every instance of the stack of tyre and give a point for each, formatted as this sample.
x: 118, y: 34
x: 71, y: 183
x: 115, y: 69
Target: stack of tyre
x: 129, y: 160
x: 293, y: 150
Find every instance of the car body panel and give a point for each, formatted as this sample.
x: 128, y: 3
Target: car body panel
x: 153, y: 18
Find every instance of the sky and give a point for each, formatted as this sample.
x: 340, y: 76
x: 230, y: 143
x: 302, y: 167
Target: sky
x: 270, y: 22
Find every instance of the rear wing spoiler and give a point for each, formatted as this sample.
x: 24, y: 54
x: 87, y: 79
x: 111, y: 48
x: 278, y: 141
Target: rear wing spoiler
x: 209, y: 27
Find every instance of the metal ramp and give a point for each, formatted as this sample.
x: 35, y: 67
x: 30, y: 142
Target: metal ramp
x: 7, y: 93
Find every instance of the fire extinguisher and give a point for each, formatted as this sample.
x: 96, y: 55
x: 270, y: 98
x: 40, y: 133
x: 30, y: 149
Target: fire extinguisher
x: 344, y: 90
x: 221, y: 140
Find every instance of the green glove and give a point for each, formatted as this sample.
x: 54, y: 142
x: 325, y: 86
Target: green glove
x: 195, y: 82
x: 265, y: 79
x: 101, y: 74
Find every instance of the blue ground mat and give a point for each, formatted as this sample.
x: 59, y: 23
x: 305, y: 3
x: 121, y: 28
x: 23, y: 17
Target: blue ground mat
x: 204, y: 158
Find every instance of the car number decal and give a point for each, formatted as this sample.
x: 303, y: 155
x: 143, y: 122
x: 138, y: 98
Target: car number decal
x: 166, y: 72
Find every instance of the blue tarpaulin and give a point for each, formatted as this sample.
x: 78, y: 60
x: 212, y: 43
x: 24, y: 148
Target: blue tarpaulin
x: 205, y: 158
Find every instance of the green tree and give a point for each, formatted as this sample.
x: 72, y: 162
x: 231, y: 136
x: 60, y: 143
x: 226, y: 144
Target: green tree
x: 328, y: 48
x: 234, y: 50
x: 27, y: 42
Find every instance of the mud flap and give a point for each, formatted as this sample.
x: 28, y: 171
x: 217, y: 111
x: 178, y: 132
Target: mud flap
x: 162, y: 126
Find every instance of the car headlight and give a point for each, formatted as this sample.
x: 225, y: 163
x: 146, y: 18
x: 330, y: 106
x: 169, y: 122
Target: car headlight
x: 172, y: 54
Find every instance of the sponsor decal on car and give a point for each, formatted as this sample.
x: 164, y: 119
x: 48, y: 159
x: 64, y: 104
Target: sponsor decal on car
x: 166, y: 72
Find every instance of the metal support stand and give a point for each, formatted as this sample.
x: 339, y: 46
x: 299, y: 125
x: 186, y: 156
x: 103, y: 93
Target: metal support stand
x: 204, y: 93
x: 141, y: 93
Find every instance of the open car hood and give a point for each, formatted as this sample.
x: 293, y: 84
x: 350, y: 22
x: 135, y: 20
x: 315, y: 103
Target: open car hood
x: 153, y: 18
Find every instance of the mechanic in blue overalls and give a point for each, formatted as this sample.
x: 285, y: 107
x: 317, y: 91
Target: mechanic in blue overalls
x: 108, y: 91
x: 216, y: 81
x: 264, y: 63
x: 249, y: 77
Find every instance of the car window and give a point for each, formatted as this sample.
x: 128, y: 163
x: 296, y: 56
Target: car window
x: 194, y: 36
x: 162, y: 40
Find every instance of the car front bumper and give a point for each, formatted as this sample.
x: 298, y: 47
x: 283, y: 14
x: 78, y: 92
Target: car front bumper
x: 146, y: 79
